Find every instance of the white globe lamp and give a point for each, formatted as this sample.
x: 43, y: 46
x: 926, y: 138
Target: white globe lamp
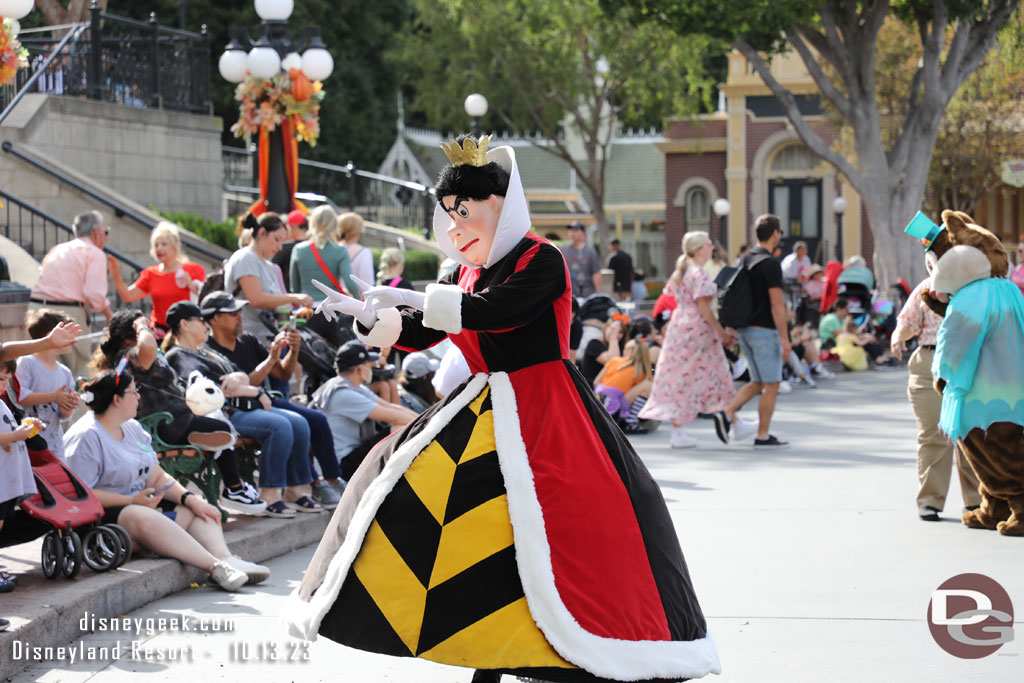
x: 291, y: 61
x: 263, y: 60
x: 233, y: 65
x: 317, y: 63
x: 476, y: 105
x: 15, y: 9
x: 274, y: 10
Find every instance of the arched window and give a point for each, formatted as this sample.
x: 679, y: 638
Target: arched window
x: 698, y: 210
x: 792, y: 158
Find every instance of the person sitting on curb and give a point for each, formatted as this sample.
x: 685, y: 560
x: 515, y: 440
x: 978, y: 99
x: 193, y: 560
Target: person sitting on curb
x: 130, y: 337
x: 112, y: 455
x: 223, y: 313
x: 353, y: 410
x: 283, y: 435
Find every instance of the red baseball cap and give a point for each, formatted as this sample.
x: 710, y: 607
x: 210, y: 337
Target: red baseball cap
x: 296, y: 217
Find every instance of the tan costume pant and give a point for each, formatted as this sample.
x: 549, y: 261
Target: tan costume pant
x: 934, y: 449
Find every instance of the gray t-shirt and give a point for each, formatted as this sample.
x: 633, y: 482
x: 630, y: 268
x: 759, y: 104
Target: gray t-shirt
x: 105, y: 463
x: 244, y: 262
x: 34, y: 378
x: 346, y: 407
x: 16, y: 478
x: 583, y: 263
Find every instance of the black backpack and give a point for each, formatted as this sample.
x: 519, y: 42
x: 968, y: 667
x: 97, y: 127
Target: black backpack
x: 736, y: 293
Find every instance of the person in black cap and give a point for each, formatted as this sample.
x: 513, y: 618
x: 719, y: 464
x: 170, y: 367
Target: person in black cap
x: 584, y: 264
x: 358, y: 417
x: 223, y: 314
x: 285, y: 472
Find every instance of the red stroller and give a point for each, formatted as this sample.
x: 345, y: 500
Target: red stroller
x: 65, y: 503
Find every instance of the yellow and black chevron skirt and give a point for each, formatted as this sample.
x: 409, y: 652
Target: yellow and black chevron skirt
x: 436, y: 576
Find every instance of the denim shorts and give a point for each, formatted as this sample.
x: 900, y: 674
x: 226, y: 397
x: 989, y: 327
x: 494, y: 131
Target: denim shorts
x: 763, y: 350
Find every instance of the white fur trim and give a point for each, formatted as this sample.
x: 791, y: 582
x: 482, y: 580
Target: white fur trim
x: 303, y: 618
x: 606, y: 657
x: 385, y: 331
x: 960, y: 266
x: 442, y: 309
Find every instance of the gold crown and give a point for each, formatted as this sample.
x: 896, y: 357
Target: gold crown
x: 470, y: 153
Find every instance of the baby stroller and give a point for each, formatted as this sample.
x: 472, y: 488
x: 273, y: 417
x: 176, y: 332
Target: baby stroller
x: 61, y: 504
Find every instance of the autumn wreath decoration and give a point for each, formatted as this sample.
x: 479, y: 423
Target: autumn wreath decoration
x: 12, y: 55
x: 286, y: 99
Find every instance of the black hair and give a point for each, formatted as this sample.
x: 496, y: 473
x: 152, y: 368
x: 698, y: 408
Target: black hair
x: 120, y: 331
x: 104, y: 387
x: 10, y: 366
x: 41, y: 322
x: 420, y: 386
x: 766, y: 225
x: 841, y: 302
x: 473, y: 182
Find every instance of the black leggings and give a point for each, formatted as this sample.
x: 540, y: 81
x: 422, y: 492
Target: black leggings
x: 184, y: 424
x: 354, y: 458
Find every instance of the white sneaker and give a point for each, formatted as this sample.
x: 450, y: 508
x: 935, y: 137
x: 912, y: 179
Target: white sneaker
x: 229, y: 578
x: 742, y: 429
x: 256, y: 573
x: 681, y: 439
x: 739, y: 367
x: 785, y: 387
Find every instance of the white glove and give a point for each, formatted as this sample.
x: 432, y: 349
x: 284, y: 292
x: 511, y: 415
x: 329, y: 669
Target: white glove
x: 390, y: 297
x: 336, y: 302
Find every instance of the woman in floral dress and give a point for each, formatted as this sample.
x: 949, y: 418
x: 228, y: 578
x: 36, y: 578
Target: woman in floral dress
x: 692, y: 376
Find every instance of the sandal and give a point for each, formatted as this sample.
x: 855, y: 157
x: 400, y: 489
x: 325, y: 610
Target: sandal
x: 279, y: 509
x: 306, y: 504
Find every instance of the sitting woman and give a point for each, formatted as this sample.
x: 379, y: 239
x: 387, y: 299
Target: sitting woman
x: 283, y: 435
x: 599, y: 351
x: 111, y: 452
x: 174, y: 278
x: 415, y: 384
x: 849, y: 347
x: 130, y: 337
x: 622, y: 381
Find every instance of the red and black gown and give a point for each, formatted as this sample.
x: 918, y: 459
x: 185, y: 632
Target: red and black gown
x: 511, y: 527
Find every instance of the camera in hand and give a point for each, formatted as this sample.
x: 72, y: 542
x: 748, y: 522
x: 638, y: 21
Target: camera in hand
x: 383, y: 374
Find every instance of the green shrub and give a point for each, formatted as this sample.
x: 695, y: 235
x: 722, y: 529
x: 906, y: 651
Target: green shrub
x: 222, y: 233
x: 419, y: 265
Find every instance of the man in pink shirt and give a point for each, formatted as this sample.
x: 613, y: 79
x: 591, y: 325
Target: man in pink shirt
x: 73, y: 280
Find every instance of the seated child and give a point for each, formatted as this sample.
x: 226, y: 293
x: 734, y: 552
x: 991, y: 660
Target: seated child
x: 624, y: 381
x: 849, y: 346
x: 46, y: 386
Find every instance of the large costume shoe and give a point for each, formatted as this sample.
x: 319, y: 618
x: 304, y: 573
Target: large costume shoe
x: 993, y: 511
x: 1014, y: 526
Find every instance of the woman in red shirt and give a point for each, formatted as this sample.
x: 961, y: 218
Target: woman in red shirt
x: 173, y: 279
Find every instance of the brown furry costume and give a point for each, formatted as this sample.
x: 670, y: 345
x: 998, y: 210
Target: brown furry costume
x: 997, y: 453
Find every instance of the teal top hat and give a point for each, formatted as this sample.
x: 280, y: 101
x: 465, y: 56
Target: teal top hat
x: 924, y: 229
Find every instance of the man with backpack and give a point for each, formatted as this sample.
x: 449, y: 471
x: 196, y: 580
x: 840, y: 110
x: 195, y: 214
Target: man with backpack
x: 752, y: 303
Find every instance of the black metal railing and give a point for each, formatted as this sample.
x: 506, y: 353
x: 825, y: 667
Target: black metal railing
x: 119, y: 210
x: 37, y: 231
x: 129, y: 62
x: 379, y: 198
x: 45, y: 59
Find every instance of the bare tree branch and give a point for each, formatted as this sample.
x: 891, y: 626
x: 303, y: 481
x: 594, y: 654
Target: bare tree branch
x: 806, y: 133
x: 825, y: 85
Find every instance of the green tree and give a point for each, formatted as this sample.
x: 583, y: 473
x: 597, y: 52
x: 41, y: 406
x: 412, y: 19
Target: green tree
x: 838, y: 42
x: 560, y: 72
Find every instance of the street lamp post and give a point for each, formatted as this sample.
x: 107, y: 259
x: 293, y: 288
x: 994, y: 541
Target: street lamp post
x: 476, y: 107
x: 721, y: 208
x: 275, y: 52
x: 839, y: 206
x: 15, y: 9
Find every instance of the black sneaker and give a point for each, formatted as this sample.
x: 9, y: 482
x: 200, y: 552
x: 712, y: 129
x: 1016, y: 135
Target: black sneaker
x: 633, y: 428
x: 928, y: 513
x: 770, y: 442
x: 722, y: 426
x: 4, y: 624
x: 970, y: 508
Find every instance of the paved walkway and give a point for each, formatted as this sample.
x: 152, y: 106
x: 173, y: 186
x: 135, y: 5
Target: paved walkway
x: 810, y: 563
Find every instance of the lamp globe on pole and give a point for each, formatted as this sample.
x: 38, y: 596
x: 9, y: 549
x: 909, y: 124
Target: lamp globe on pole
x: 15, y: 9
x: 721, y: 208
x: 839, y: 206
x: 476, y: 107
x: 274, y: 10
